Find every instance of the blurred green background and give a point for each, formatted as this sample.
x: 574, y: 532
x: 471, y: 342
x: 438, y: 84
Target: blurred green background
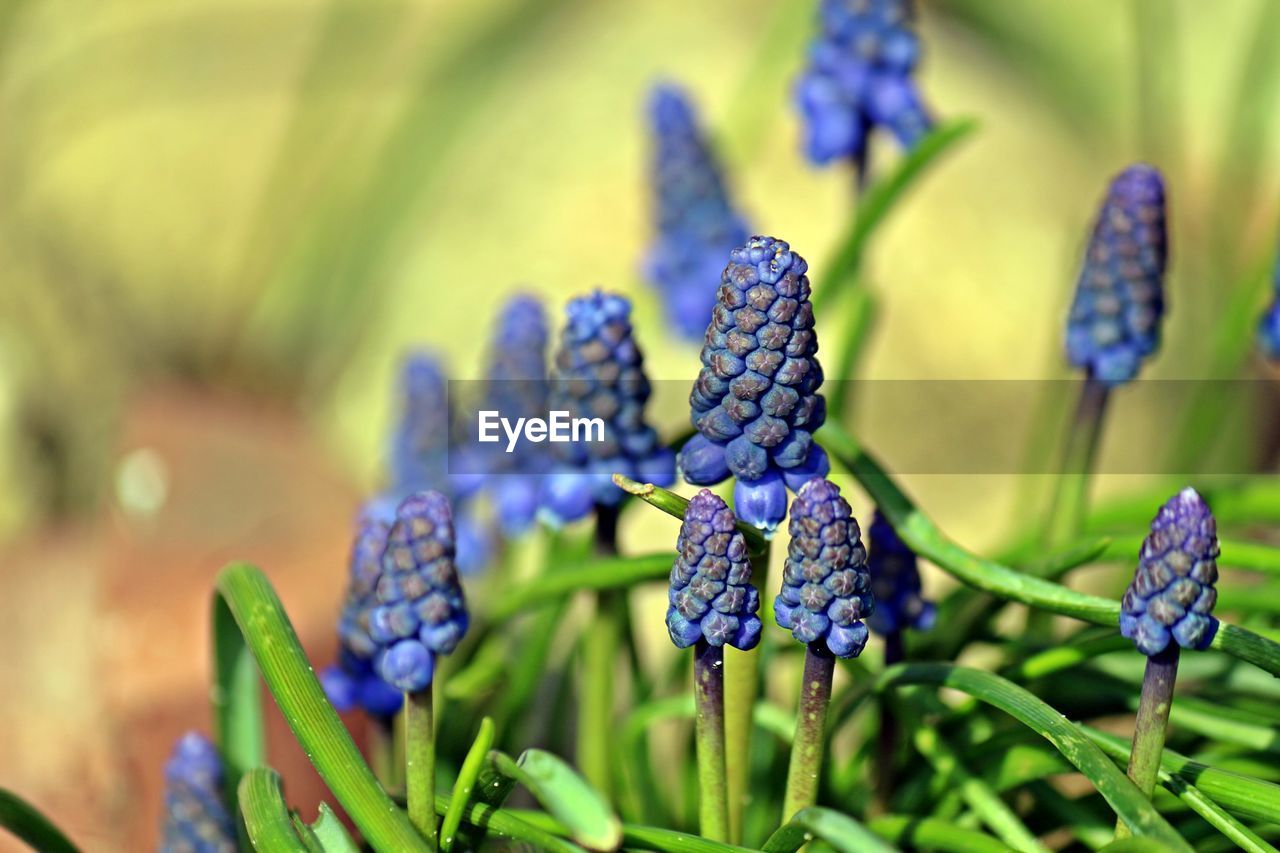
x: 221, y: 224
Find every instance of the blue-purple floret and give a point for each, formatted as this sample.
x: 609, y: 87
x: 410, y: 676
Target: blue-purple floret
x: 859, y: 77
x: 599, y: 373
x: 419, y: 611
x: 195, y: 818
x: 352, y: 682
x: 895, y: 582
x: 1269, y: 323
x: 1119, y: 301
x: 695, y: 223
x: 755, y: 403
x: 1172, y: 595
x: 516, y: 387
x: 826, y: 586
x: 711, y: 596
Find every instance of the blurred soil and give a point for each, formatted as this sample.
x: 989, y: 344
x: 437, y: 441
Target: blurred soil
x: 104, y: 624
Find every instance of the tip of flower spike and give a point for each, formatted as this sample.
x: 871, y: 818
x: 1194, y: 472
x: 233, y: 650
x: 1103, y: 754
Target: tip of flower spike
x: 669, y: 107
x: 1172, y: 595
x: 587, y: 315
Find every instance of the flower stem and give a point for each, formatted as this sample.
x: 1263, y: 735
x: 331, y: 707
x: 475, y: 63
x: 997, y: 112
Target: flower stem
x: 709, y: 728
x: 1152, y: 720
x: 810, y: 741
x: 420, y: 762
x: 1071, y: 498
x: 599, y: 656
x: 887, y: 736
x: 383, y: 755
x: 741, y: 681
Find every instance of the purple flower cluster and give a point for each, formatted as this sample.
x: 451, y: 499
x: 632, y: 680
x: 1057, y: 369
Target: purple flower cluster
x: 859, y: 78
x: 195, y: 817
x: 695, y: 223
x: 1115, y: 318
x: 895, y: 582
x: 599, y: 373
x: 826, y: 586
x: 1172, y: 594
x: 755, y: 403
x: 711, y: 596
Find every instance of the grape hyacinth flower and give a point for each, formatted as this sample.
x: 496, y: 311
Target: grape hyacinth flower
x: 859, y: 78
x: 895, y: 582
x: 1269, y: 323
x: 1167, y: 608
x: 696, y: 224
x: 599, y: 373
x: 826, y: 593
x: 711, y: 604
x: 195, y: 818
x: 516, y: 387
x: 711, y: 597
x: 1115, y: 318
x: 755, y: 403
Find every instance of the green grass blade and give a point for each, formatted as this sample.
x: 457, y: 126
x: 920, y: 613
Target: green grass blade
x: 237, y: 706
x: 673, y: 505
x: 928, y: 541
x: 329, y: 832
x: 284, y: 666
x: 840, y: 831
x: 466, y: 783
x: 601, y: 574
x: 1125, y: 799
x: 28, y: 825
x: 565, y: 795
x: 930, y: 833
x: 636, y: 837
x: 266, y: 817
x: 880, y: 198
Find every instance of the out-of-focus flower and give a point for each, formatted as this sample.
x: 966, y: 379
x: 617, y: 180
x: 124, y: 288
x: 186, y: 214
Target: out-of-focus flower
x: 599, y: 373
x: 755, y: 403
x: 859, y: 78
x: 1172, y: 594
x: 1115, y: 318
x: 1269, y: 323
x: 695, y: 223
x: 895, y: 581
x: 195, y: 817
x: 826, y: 587
x: 420, y: 611
x: 711, y: 595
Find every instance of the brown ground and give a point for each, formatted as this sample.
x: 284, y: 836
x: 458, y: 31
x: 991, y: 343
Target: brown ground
x: 104, y: 625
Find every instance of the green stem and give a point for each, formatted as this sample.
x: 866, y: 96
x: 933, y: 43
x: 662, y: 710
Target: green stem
x: 708, y: 693
x: 1151, y: 722
x: 383, y: 756
x: 1071, y: 498
x: 420, y: 762
x: 887, y: 735
x: 599, y: 657
x: 810, y: 741
x: 741, y: 686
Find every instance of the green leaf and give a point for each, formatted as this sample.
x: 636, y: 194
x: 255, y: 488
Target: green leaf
x: 930, y: 833
x: 237, y: 705
x: 928, y: 541
x: 284, y: 666
x: 596, y: 574
x: 880, y: 198
x: 24, y: 821
x: 640, y: 837
x: 674, y: 505
x: 330, y: 833
x: 491, y: 822
x: 840, y: 831
x: 466, y: 783
x: 1121, y: 794
x: 266, y: 817
x: 565, y: 795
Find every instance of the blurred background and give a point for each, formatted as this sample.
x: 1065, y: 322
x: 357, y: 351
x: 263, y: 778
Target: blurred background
x: 222, y: 224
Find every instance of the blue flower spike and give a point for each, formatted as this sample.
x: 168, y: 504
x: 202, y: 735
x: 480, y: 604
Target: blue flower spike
x: 711, y: 596
x: 895, y: 582
x: 420, y: 443
x: 826, y: 585
x: 696, y: 225
x: 1114, y: 323
x: 420, y: 612
x: 755, y: 403
x: 1269, y: 323
x: 195, y: 818
x: 1172, y: 595
x: 599, y: 373
x: 859, y: 78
